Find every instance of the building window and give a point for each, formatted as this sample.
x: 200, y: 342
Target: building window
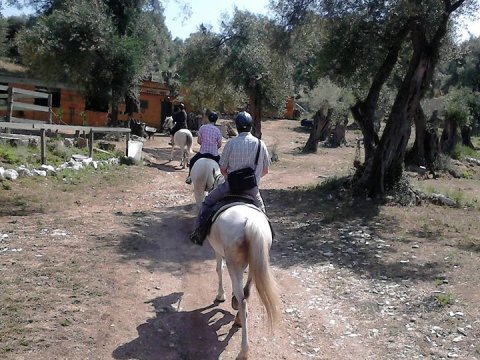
x: 56, y: 95
x: 143, y: 104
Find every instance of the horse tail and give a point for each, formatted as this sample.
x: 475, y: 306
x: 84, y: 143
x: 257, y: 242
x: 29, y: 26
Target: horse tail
x: 259, y: 263
x: 189, y: 143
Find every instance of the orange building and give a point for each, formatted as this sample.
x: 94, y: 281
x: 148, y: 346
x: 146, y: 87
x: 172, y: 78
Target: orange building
x: 69, y: 103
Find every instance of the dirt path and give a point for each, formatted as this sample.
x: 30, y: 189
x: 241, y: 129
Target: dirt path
x: 107, y: 272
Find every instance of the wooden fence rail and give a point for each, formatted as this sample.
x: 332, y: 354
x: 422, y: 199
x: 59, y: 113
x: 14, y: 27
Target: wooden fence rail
x: 42, y: 127
x: 16, y: 101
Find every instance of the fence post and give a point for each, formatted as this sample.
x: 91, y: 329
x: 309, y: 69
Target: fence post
x: 9, y: 108
x: 128, y: 139
x: 50, y: 108
x: 90, y: 143
x: 43, y: 146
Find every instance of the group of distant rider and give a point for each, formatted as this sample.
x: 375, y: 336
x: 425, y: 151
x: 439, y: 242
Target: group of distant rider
x: 242, y: 152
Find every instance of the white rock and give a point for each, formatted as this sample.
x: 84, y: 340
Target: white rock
x: 87, y: 161
x: 23, y: 171
x: 39, y: 172
x: 48, y: 168
x: 10, y: 174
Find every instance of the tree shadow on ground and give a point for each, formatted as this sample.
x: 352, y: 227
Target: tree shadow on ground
x: 313, y: 225
x: 162, y: 240
x: 325, y: 225
x: 175, y: 334
x: 162, y: 155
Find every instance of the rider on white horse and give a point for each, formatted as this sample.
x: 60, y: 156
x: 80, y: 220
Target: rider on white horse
x: 179, y: 120
x: 243, y: 152
x: 210, y: 140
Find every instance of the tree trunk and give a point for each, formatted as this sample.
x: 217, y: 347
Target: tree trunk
x: 417, y: 153
x: 255, y: 108
x: 449, y: 135
x: 337, y: 136
x: 364, y: 111
x: 466, y: 133
x: 320, y: 124
x: 114, y: 113
x: 432, y: 148
x: 132, y: 104
x: 386, y: 167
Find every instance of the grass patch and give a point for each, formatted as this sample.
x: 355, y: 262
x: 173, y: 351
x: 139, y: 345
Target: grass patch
x: 460, y: 152
x: 57, y: 153
x: 445, y: 299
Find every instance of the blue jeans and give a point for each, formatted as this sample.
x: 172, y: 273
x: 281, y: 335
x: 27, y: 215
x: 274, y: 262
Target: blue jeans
x: 222, y: 191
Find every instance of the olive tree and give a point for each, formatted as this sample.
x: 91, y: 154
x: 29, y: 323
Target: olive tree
x: 242, y: 58
x: 366, y: 42
x: 95, y: 45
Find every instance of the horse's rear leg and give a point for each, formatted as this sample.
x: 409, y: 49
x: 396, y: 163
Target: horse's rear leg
x: 173, y: 148
x: 221, y: 292
x: 236, y: 275
x: 246, y: 291
x: 184, y: 160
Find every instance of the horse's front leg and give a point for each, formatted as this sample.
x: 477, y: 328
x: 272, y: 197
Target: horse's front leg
x: 221, y: 292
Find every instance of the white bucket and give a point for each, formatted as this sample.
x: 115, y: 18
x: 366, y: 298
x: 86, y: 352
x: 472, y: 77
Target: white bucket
x: 135, y: 150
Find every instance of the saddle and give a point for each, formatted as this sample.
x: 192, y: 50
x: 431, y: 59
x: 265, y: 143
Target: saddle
x: 212, y: 213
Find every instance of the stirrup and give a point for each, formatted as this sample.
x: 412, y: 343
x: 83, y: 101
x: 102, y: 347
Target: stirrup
x: 195, y: 238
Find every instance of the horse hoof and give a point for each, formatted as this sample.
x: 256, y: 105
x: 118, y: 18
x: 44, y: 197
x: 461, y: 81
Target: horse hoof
x: 237, y: 322
x: 219, y: 301
x: 234, y: 303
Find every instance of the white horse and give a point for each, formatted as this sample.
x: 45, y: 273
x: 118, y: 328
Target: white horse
x: 183, y: 139
x: 241, y: 236
x: 205, y: 175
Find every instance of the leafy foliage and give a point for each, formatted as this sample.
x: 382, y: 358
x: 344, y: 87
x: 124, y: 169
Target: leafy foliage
x: 329, y: 95
x: 232, y: 64
x: 462, y: 106
x: 105, y: 47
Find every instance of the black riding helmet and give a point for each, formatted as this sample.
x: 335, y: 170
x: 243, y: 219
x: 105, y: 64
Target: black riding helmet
x: 181, y: 106
x: 213, y: 117
x: 243, y: 121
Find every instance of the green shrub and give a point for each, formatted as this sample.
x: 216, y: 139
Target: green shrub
x: 8, y: 154
x: 460, y: 152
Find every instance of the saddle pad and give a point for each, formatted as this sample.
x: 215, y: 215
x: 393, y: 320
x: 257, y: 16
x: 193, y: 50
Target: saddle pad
x: 227, y: 206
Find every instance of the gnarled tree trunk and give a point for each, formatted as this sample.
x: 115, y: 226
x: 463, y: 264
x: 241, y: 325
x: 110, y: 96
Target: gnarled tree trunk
x: 319, y: 132
x: 386, y: 167
x: 466, y: 133
x: 449, y: 135
x: 255, y: 106
x: 426, y: 148
x: 364, y: 111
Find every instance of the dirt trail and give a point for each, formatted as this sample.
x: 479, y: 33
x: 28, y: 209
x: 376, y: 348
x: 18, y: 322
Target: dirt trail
x: 109, y: 273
